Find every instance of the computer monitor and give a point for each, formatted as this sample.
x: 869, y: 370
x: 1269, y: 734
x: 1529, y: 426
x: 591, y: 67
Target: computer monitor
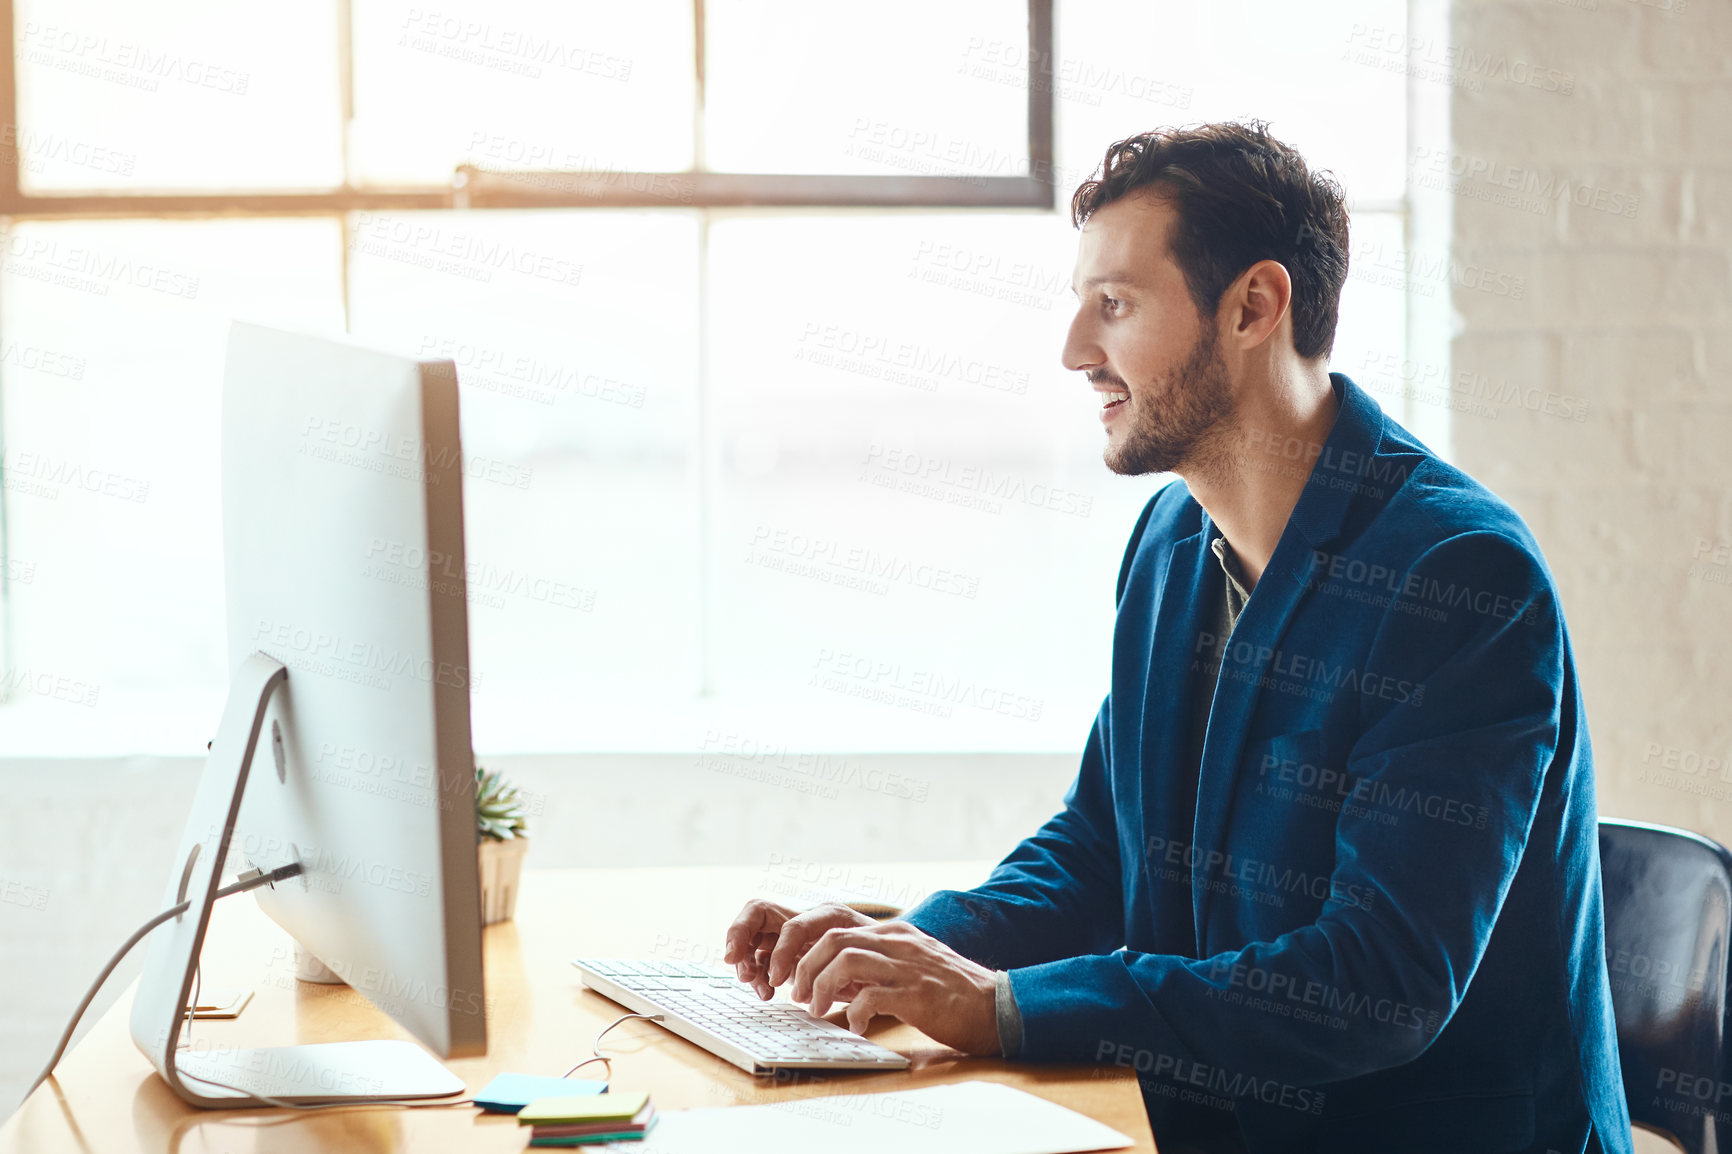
x: 345, y: 744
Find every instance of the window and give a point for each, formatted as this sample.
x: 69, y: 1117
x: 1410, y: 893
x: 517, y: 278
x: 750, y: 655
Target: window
x: 762, y: 299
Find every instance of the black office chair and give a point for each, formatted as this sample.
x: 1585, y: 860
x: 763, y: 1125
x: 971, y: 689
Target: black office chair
x: 1668, y: 924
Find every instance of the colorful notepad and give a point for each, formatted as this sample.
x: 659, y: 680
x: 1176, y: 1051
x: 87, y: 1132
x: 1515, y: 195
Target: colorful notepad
x: 577, y: 1121
x: 580, y: 1134
x: 509, y: 1093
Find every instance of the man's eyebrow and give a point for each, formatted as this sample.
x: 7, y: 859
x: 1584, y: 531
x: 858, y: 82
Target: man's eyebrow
x: 1109, y: 278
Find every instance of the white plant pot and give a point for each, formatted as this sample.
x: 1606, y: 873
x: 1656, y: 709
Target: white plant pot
x: 501, y: 870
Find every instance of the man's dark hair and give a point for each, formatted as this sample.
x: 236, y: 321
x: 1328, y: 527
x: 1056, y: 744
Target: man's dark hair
x: 1240, y: 196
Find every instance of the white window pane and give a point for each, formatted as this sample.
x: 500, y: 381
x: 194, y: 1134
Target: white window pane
x: 114, y: 333
x: 1371, y: 344
x: 1125, y: 69
x: 182, y: 94
x: 574, y: 335
x: 898, y: 86
x: 521, y: 84
x: 911, y: 479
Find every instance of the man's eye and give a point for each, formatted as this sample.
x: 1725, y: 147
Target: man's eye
x: 1112, y: 303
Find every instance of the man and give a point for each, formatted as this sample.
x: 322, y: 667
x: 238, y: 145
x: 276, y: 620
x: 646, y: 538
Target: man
x: 1328, y: 877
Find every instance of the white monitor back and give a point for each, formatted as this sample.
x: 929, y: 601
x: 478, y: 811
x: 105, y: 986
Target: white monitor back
x: 343, y: 549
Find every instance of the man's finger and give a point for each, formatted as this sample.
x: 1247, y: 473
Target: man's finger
x: 758, y: 917
x: 870, y: 1002
x: 880, y: 939
x: 760, y: 966
x: 798, y: 935
x: 757, y: 958
x: 849, y: 966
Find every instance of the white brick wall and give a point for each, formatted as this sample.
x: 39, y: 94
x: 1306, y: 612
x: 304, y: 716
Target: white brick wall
x: 1629, y: 308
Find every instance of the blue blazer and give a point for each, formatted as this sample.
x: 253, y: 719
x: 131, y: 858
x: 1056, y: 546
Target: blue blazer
x: 1378, y: 926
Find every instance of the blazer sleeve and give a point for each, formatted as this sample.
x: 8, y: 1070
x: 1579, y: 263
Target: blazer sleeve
x: 1411, y: 908
x: 1059, y: 893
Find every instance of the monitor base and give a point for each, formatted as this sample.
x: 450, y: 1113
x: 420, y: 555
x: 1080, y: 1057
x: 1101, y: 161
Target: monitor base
x: 375, y: 1071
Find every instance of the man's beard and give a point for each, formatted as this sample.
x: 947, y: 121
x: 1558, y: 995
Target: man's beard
x: 1181, y: 420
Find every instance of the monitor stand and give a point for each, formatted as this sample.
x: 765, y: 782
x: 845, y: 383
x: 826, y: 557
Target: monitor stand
x: 370, y: 1071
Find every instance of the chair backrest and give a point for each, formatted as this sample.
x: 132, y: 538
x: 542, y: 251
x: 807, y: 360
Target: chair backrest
x: 1668, y: 895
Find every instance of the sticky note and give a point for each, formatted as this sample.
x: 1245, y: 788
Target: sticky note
x: 616, y: 1106
x: 509, y: 1093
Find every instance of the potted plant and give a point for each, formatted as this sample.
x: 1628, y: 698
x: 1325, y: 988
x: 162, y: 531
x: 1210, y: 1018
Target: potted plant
x: 504, y: 839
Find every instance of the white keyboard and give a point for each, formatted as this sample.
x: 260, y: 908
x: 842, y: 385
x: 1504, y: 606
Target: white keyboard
x: 710, y: 1007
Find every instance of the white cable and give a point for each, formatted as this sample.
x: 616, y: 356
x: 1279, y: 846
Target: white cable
x: 239, y: 887
x: 595, y: 1047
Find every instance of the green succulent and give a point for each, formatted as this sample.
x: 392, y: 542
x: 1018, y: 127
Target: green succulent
x: 498, y: 810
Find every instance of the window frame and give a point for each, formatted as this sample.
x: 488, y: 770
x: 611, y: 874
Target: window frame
x: 475, y: 188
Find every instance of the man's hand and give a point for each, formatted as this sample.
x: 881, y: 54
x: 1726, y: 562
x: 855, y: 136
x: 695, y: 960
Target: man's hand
x: 893, y: 968
x: 768, y: 939
x: 835, y: 954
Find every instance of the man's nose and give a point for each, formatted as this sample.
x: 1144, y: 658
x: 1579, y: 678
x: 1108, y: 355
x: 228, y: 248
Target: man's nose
x: 1080, y: 351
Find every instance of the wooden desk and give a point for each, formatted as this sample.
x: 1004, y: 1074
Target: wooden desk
x: 106, y: 1099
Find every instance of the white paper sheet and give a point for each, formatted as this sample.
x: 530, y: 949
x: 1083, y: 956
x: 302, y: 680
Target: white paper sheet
x: 964, y: 1118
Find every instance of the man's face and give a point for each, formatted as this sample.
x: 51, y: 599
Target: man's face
x: 1138, y: 336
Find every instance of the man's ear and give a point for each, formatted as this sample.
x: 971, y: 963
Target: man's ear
x: 1259, y: 302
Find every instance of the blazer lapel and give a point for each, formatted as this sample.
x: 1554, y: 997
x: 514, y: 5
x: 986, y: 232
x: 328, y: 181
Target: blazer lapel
x: 1315, y: 521
x: 1167, y: 805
